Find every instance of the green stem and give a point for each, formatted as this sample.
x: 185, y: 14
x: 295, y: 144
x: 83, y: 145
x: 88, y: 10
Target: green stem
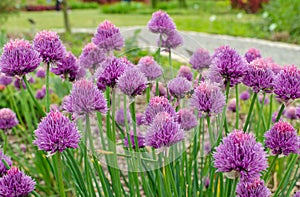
x: 33, y: 97
x: 267, y: 175
x: 89, y: 133
x: 47, y: 88
x: 250, y: 112
x: 280, y: 113
x: 147, y: 93
x: 133, y: 117
x: 170, y: 63
x: 237, y: 117
x: 211, y: 134
x: 59, y: 173
x: 270, y: 112
x: 14, y: 105
x: 224, y: 112
x: 157, y: 88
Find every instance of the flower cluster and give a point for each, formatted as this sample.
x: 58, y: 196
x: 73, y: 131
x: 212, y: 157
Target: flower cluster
x: 8, y: 119
x: 200, y: 59
x: 179, y: 86
x: 149, y: 67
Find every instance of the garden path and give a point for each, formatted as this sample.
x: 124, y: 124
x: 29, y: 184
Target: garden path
x: 282, y: 53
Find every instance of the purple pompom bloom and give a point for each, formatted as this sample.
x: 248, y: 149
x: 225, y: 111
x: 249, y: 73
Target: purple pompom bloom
x: 232, y: 105
x: 226, y: 65
x: 41, y: 93
x: 282, y: 139
x: 290, y: 113
x: 149, y: 67
x: 297, y: 194
x: 259, y: 76
x: 161, y: 23
x: 41, y: 73
x: 56, y: 133
x: 91, y: 56
x: 164, y: 131
x: 162, y: 90
x: 298, y: 111
x: 50, y: 47
x: 120, y: 117
x: 255, y: 188
x: 132, y: 82
x: 245, y: 95
x: 139, y: 118
x: 185, y: 71
x: 172, y: 41
x: 240, y: 154
x: 19, y: 58
x: 208, y: 98
x: 200, y: 59
x: 84, y: 99
x: 81, y: 73
x: 108, y: 75
x: 108, y: 37
x: 252, y: 54
x: 16, y: 183
x: 186, y: 119
x: 8, y: 119
x: 68, y: 66
x: 287, y: 84
x: 158, y: 104
x: 18, y: 85
x: 3, y: 169
x: 140, y: 140
x: 179, y: 86
x: 5, y: 80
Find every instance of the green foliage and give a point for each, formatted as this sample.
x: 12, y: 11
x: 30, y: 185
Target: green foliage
x: 7, y: 7
x: 284, y: 15
x: 83, y: 5
x: 121, y: 8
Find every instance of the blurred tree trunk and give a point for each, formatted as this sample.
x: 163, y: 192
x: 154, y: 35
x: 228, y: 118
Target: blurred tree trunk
x: 182, y: 3
x: 153, y: 3
x: 66, y: 16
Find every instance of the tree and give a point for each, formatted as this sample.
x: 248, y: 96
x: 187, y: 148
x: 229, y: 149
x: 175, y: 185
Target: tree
x: 66, y: 17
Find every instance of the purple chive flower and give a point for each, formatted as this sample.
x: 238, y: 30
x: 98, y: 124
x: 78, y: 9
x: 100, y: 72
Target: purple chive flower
x: 161, y: 23
x: 3, y: 169
x: 240, y: 154
x: 8, y: 119
x: 244, y: 96
x: 108, y: 37
x: 120, y: 117
x: 68, y: 66
x: 164, y: 131
x: 186, y: 119
x: 84, y: 99
x: 271, y: 64
x: 56, y: 133
x: 226, y: 65
x: 81, y: 73
x: 172, y: 41
x: 157, y: 104
x: 41, y: 93
x: 255, y: 188
x: 18, y: 85
x: 41, y: 73
x: 16, y: 183
x: 5, y: 80
x: 287, y: 84
x: 208, y: 98
x: 91, y: 56
x: 139, y: 118
x: 290, y: 113
x: 162, y: 90
x: 232, y: 105
x: 132, y: 82
x: 200, y: 59
x: 298, y: 111
x: 259, y: 76
x: 18, y: 58
x: 179, y: 86
x: 185, y: 71
x: 252, y: 54
x: 140, y: 140
x: 282, y: 139
x: 50, y: 47
x: 206, y: 182
x: 108, y: 75
x: 297, y: 194
x: 266, y: 101
x: 149, y: 67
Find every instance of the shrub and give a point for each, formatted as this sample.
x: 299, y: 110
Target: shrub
x: 250, y: 6
x: 283, y: 15
x: 121, y: 8
x: 83, y: 5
